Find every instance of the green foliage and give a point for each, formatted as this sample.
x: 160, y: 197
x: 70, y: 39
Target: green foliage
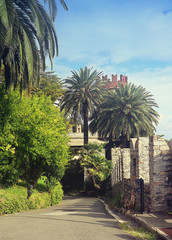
x: 50, y: 85
x: 9, y: 174
x: 99, y: 167
x: 127, y: 111
x: 8, y: 163
x: 56, y: 194
x: 14, y: 199
x: 27, y: 36
x: 11, y: 205
x: 38, y: 140
x: 84, y: 92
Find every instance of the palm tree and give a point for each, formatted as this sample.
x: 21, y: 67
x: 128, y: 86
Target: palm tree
x: 27, y: 36
x: 53, y: 7
x: 126, y: 112
x: 85, y: 90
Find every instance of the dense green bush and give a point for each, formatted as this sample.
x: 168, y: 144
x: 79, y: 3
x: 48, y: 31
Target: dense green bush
x: 15, y: 200
x: 33, y: 139
x: 9, y: 174
x: 98, y: 167
x: 56, y: 194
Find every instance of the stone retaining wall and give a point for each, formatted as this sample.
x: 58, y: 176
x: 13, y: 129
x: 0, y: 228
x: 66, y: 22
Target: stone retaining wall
x: 128, y: 196
x: 151, y: 160
x: 160, y: 162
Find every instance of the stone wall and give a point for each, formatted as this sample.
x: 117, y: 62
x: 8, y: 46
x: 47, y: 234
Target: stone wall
x: 139, y: 167
x: 126, y: 195
x: 121, y: 165
x: 160, y: 163
x: 151, y: 160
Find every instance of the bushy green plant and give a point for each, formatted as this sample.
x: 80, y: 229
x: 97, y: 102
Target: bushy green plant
x: 9, y: 174
x: 14, y: 199
x: 12, y: 205
x: 56, y: 194
x: 98, y: 167
x: 38, y: 142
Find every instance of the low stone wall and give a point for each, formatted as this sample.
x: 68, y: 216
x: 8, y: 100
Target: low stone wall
x: 127, y: 192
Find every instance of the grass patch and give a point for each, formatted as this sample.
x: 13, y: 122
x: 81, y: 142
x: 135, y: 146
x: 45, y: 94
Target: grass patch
x: 139, y: 233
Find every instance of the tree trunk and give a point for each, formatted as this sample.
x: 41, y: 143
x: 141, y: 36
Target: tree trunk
x: 29, y: 190
x: 109, y: 147
x: 85, y: 112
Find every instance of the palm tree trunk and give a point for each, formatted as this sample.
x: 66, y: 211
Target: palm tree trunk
x: 85, y: 112
x: 109, y: 147
x: 123, y: 140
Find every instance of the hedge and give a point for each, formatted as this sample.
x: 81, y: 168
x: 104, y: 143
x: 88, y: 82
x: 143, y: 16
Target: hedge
x: 18, y: 203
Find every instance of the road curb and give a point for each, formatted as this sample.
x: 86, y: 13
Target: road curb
x: 111, y: 213
x: 157, y: 231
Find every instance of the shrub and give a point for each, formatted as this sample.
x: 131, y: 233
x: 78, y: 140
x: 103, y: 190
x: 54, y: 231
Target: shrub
x: 33, y: 139
x: 56, y: 194
x: 14, y: 199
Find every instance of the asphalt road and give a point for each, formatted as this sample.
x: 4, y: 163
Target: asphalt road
x: 74, y: 219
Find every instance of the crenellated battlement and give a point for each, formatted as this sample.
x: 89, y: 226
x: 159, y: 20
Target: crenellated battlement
x: 114, y: 82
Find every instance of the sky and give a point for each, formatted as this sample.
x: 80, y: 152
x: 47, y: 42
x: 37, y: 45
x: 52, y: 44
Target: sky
x: 129, y: 37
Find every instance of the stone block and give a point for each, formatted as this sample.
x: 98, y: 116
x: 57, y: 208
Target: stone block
x: 165, y: 152
x: 156, y: 153
x: 170, y: 145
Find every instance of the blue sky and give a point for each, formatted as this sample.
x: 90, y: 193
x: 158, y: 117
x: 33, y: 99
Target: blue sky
x: 130, y: 37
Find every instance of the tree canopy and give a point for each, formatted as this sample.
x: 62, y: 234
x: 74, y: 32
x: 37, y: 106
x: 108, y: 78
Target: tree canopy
x: 50, y: 85
x: 84, y: 92
x: 127, y: 111
x: 27, y: 36
x: 33, y: 138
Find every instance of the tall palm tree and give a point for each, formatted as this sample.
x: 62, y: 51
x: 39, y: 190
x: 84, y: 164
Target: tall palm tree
x: 27, y: 36
x: 126, y: 112
x: 85, y: 90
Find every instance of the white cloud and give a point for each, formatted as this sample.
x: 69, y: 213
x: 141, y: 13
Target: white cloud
x: 122, y: 33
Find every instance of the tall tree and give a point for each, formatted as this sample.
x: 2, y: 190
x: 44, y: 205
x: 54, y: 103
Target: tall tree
x: 126, y: 112
x: 33, y: 139
x: 27, y: 36
x: 84, y: 92
x: 50, y: 85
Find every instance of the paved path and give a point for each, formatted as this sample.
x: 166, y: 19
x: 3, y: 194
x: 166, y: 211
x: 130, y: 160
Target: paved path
x: 74, y: 219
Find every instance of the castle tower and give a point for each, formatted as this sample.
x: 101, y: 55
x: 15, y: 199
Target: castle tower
x: 111, y: 84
